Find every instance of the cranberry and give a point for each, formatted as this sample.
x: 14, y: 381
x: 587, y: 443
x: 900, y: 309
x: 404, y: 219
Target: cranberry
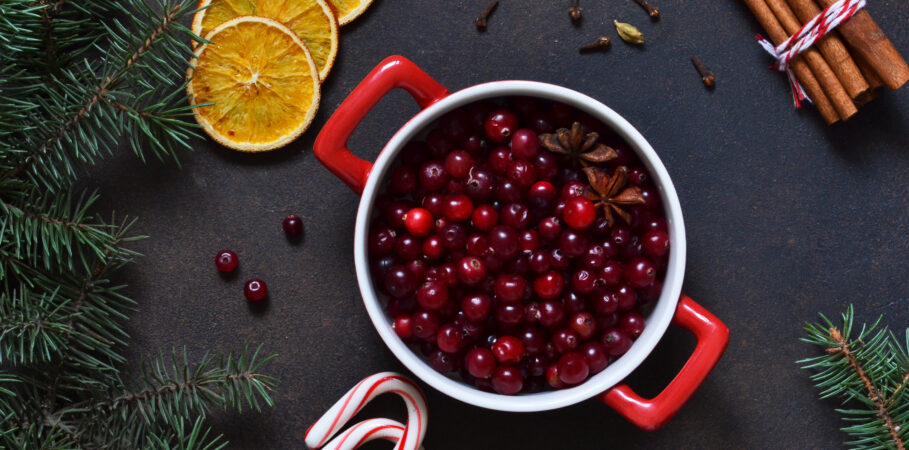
x: 508, y: 192
x: 432, y: 247
x: 394, y: 214
x: 419, y: 222
x: 510, y: 288
x: 456, y: 124
x: 534, y: 339
x: 477, y: 245
x: 432, y: 295
x: 626, y: 297
x: 474, y: 144
x: 571, y: 190
x: 552, y: 376
x: 620, y: 235
x: 471, y: 270
x: 573, y: 368
x: 400, y: 282
x: 500, y: 124
x: 611, y: 273
x: 639, y: 272
x: 595, y: 257
x: 433, y: 176
x: 418, y: 268
x: 522, y: 173
x: 583, y: 324
x: 500, y: 159
x: 484, y: 217
x: 458, y: 163
x: 403, y: 326
x: 550, y: 227
x: 572, y: 243
x: 541, y: 123
x: 433, y: 203
x: 480, y: 362
x: 425, y: 324
x: 651, y: 198
x: 255, y: 290
x: 551, y: 314
x: 558, y: 259
x: 565, y: 340
x: 226, y: 261
x: 542, y: 195
x: 650, y: 293
x: 616, y: 342
x: 381, y: 241
x: 449, y: 338
x: 508, y: 350
x: 583, y: 281
x: 656, y: 243
x: 402, y: 180
x: 414, y: 154
x: 503, y: 240
x: 440, y: 361
x: 480, y: 184
x: 516, y: 216
x: 476, y: 307
x: 562, y: 114
x: 293, y: 226
x: 407, y: 247
x: 539, y: 261
x: 549, y: 285
x: 573, y: 304
x: 536, y: 367
x: 596, y: 357
x: 579, y: 213
x: 525, y: 144
x: 547, y: 166
x: 509, y: 314
x: 605, y: 303
x: 507, y: 380
x: 453, y: 236
x: 457, y: 207
x: 633, y: 323
x: 529, y: 240
x: 637, y: 176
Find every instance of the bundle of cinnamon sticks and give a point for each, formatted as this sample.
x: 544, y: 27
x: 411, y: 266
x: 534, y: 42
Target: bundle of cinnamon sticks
x: 843, y: 70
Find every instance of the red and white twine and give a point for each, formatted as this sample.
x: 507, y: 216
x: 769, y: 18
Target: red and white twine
x: 406, y: 437
x: 811, y: 32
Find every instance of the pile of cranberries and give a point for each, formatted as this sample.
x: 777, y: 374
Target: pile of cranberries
x: 495, y: 264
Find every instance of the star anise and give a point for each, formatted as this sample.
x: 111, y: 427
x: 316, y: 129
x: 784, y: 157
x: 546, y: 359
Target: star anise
x: 579, y: 148
x: 612, y: 193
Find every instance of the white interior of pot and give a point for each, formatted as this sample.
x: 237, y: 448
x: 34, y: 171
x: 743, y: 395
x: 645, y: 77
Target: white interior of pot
x: 658, y: 318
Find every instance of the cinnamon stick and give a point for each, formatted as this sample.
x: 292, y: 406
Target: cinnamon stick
x: 834, y: 51
x: 825, y: 76
x: 777, y: 34
x: 869, y: 73
x: 867, y: 39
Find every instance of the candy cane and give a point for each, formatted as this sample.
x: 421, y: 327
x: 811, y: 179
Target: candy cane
x: 410, y: 437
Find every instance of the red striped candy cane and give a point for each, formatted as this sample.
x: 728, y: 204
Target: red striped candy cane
x: 408, y: 437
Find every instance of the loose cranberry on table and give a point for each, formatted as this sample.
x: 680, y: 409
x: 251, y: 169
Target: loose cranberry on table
x: 518, y: 247
x: 293, y: 226
x: 226, y: 261
x: 255, y: 290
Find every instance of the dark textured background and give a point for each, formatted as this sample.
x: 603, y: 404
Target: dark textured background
x: 786, y: 218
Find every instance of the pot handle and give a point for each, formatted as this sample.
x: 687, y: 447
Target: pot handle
x: 651, y: 414
x: 331, y: 144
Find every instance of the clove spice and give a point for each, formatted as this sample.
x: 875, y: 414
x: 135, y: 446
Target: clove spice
x: 482, y: 19
x: 652, y: 11
x: 575, y: 11
x: 602, y: 43
x: 706, y: 75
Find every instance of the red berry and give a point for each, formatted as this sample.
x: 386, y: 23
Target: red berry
x: 500, y: 124
x: 573, y: 368
x: 484, y: 217
x: 565, y: 340
x: 432, y: 247
x: 425, y: 324
x: 633, y: 323
x: 449, y: 338
x: 508, y: 350
x: 507, y: 380
x: 458, y: 163
x: 552, y: 376
x: 549, y: 286
x: 616, y: 342
x: 403, y: 326
x: 656, y: 243
x: 471, y: 270
x: 596, y: 357
x: 480, y: 362
x: 580, y: 213
x: 583, y: 324
x: 226, y: 261
x: 419, y: 221
x: 510, y: 288
x: 293, y: 226
x: 457, y: 208
x: 432, y: 295
x: 639, y: 272
x: 476, y: 307
x: 525, y: 144
x: 255, y: 290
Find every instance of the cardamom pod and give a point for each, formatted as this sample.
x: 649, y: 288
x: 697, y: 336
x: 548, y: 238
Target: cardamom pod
x: 629, y: 33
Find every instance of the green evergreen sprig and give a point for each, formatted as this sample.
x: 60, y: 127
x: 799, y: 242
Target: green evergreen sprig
x: 80, y: 80
x: 870, y: 373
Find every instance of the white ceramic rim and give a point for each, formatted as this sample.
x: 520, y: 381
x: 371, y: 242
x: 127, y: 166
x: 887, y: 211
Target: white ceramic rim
x: 658, y: 320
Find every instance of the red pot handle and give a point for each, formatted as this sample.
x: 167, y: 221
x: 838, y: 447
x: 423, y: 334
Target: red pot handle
x: 651, y: 414
x: 331, y: 144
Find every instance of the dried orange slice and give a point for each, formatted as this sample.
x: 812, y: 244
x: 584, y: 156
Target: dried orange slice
x: 262, y: 82
x: 313, y: 21
x: 348, y: 10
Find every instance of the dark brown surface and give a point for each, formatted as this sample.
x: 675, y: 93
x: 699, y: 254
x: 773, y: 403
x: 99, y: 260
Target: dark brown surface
x: 785, y: 217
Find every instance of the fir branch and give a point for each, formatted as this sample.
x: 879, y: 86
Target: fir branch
x: 868, y: 371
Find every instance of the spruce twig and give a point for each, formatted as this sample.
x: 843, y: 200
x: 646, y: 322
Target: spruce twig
x: 868, y: 372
